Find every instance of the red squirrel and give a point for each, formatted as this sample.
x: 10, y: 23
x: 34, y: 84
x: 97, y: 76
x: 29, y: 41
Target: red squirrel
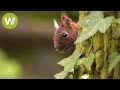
x: 65, y: 34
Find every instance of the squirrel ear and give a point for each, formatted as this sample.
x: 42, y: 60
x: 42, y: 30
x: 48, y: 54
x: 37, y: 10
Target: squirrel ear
x: 56, y: 26
x: 66, y: 21
x: 63, y: 14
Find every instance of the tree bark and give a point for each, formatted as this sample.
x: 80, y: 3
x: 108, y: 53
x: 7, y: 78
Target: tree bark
x: 102, y: 45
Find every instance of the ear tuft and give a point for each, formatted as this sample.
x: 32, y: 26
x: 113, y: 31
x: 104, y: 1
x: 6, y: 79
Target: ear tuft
x: 56, y: 26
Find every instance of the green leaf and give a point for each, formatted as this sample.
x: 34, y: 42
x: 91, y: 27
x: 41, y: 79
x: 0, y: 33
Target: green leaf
x: 113, y: 56
x: 105, y: 24
x: 117, y: 21
x: 90, y: 18
x: 60, y: 75
x: 68, y: 64
x: 94, y: 22
x: 87, y: 33
x: 88, y: 61
x: 114, y: 59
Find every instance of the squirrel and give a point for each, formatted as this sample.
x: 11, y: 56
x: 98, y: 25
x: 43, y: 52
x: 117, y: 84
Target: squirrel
x: 65, y: 34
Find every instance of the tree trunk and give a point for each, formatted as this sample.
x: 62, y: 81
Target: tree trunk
x: 102, y: 45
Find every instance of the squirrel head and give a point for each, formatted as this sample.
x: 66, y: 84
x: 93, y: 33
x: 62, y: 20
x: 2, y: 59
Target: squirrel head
x: 65, y: 34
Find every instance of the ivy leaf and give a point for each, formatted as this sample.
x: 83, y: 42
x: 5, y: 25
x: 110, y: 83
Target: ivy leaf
x: 87, y: 33
x: 113, y: 56
x: 117, y: 21
x: 94, y: 22
x: 88, y: 61
x: 68, y: 64
x: 90, y: 18
x: 105, y: 24
x: 97, y: 14
x: 114, y: 59
x: 60, y: 75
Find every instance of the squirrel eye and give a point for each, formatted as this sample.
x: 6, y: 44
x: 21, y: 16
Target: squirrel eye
x: 64, y: 35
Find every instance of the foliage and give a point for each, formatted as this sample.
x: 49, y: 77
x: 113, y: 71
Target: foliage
x: 117, y: 21
x: 93, y: 22
x: 9, y: 68
x: 114, y: 59
x: 68, y: 64
x: 88, y: 61
x: 95, y: 25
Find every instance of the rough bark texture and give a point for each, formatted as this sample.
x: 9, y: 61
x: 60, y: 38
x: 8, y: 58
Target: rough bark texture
x: 102, y: 45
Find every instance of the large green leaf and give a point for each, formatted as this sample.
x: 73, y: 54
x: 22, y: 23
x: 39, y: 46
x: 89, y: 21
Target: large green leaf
x: 87, y: 32
x: 68, y: 64
x: 93, y: 23
x: 114, y: 60
x: 90, y: 18
x: 88, y: 61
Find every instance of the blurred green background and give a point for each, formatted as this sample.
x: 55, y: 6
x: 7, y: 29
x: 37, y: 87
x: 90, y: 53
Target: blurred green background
x: 27, y: 51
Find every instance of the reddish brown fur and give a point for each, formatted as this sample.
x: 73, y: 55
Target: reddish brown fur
x: 67, y: 25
